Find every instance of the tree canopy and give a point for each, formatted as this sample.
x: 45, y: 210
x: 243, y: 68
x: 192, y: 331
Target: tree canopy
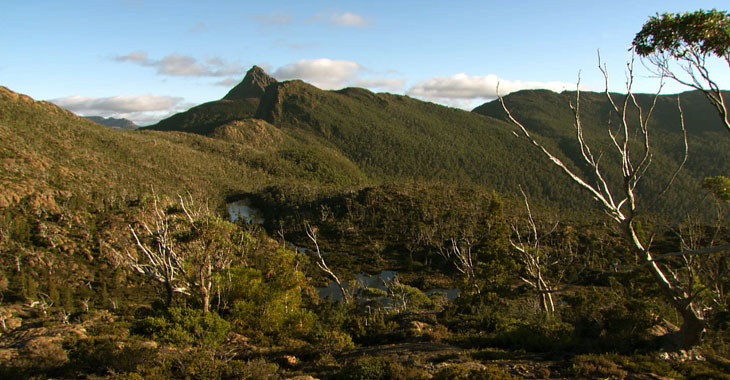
x: 688, y: 39
x: 704, y: 32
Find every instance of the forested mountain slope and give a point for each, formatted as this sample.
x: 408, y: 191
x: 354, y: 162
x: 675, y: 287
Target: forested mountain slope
x: 392, y: 138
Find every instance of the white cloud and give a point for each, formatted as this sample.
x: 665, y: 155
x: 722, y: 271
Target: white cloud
x: 348, y: 19
x: 135, y: 56
x: 462, y: 86
x: 332, y: 74
x: 322, y: 72
x: 141, y: 109
x: 388, y: 84
x: 183, y: 65
x: 228, y: 82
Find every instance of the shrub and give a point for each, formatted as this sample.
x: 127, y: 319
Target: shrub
x: 103, y: 355
x: 375, y: 368
x: 549, y: 334
x: 367, y: 368
x: 185, y: 327
x: 604, y: 320
x: 330, y: 341
x: 457, y: 372
x: 596, y: 366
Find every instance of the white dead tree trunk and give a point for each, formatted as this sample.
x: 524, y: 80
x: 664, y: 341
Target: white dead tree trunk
x: 620, y: 202
x: 464, y: 261
x: 534, y: 260
x: 159, y: 259
x: 312, y: 235
x: 184, y: 252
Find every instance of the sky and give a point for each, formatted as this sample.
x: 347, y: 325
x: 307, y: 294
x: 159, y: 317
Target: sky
x: 145, y: 60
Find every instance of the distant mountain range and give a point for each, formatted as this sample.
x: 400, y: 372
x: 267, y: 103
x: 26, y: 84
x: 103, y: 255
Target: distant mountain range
x: 122, y: 124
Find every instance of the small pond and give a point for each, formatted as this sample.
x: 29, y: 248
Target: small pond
x: 376, y: 281
x: 243, y: 211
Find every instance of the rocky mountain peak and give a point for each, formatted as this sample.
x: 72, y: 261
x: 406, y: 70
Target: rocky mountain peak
x: 253, y: 85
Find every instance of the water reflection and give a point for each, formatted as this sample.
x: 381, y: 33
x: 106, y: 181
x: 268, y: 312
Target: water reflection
x: 242, y: 210
x: 376, y: 281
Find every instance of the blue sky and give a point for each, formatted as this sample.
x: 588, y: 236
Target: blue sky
x: 144, y: 59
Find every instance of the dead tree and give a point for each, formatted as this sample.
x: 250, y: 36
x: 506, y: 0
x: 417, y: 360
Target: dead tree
x: 185, y: 250
x: 158, y: 258
x: 312, y: 235
x: 620, y: 201
x: 464, y: 261
x: 533, y: 259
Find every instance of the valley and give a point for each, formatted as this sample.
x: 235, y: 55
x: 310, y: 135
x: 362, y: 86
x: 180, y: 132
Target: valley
x: 461, y: 250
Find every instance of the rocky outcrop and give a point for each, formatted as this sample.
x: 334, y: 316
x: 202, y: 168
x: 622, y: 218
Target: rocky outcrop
x: 253, y: 85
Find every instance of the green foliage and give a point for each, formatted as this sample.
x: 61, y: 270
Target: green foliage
x: 604, y: 320
x: 329, y: 340
x: 377, y: 368
x: 368, y: 368
x: 683, y: 34
x: 719, y: 187
x: 184, y: 327
x: 106, y: 355
x: 408, y: 297
x: 457, y: 372
x: 541, y: 335
x: 204, y: 364
x: 270, y: 301
x: 592, y: 366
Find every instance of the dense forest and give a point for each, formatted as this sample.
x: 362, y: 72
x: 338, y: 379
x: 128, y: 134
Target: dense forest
x: 289, y: 232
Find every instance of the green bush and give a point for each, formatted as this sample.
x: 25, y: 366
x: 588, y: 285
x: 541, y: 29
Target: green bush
x: 609, y: 321
x: 107, y: 355
x: 367, y: 368
x: 548, y: 334
x: 596, y: 366
x: 457, y: 372
x: 375, y: 368
x: 329, y: 341
x: 184, y: 327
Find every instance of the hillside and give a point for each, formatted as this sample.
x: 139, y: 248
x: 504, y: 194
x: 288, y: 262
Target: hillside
x: 80, y: 156
x: 548, y: 114
x: 392, y: 138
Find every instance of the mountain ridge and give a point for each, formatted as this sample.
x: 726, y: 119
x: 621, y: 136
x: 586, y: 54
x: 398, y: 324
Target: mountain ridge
x: 395, y: 137
x: 123, y: 124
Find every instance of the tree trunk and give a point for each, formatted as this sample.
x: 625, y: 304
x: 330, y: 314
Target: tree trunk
x: 206, y: 299
x: 170, y: 292
x: 693, y: 325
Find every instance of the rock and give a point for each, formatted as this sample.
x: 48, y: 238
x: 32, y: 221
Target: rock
x: 305, y: 377
x: 682, y: 356
x: 6, y: 354
x: 290, y: 360
x: 418, y: 327
x: 13, y: 323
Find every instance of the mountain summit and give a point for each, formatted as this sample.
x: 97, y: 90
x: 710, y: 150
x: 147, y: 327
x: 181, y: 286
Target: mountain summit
x: 240, y: 103
x: 253, y: 85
